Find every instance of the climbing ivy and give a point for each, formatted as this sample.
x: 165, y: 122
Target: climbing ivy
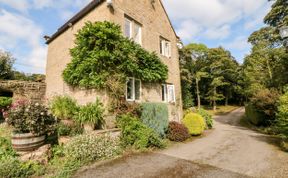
x: 103, y: 58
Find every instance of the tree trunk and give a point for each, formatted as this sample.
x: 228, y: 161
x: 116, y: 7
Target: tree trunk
x: 214, y: 100
x: 198, y: 94
x: 226, y: 100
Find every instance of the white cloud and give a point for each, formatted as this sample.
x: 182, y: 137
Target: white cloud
x: 24, y: 6
x: 239, y: 43
x: 13, y: 35
x: 18, y: 31
x: 218, y: 33
x: 214, y: 17
x: 20, y: 5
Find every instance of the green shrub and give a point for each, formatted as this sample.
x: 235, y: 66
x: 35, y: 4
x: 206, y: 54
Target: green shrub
x: 92, y: 113
x: 6, y: 148
x: 11, y: 167
x: 101, y: 52
x: 208, y: 118
x: 265, y: 102
x: 86, y: 148
x: 30, y: 117
x: 64, y: 107
x: 69, y: 130
x: 155, y: 116
x: 253, y: 115
x: 177, y: 132
x: 136, y: 134
x: 282, y: 115
x: 195, y: 123
x: 5, y: 102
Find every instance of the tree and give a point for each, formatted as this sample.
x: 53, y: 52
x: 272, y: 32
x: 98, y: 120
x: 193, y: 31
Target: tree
x: 6, y: 64
x: 278, y: 16
x: 223, y: 69
x: 192, y: 69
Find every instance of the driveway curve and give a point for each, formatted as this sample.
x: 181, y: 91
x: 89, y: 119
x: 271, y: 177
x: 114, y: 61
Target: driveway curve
x: 228, y: 150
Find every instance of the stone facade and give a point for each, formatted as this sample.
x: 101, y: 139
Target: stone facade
x: 34, y: 91
x: 155, y: 24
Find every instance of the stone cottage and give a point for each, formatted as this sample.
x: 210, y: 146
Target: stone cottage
x: 144, y: 21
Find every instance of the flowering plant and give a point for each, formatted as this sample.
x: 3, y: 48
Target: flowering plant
x: 30, y: 117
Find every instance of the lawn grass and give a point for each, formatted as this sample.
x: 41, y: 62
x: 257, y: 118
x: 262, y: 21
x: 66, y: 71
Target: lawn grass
x: 5, y: 130
x: 221, y: 110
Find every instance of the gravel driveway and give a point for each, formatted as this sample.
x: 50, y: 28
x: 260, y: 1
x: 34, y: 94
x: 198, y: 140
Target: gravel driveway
x: 229, y: 150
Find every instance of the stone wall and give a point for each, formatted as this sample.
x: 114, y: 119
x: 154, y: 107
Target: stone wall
x: 34, y: 91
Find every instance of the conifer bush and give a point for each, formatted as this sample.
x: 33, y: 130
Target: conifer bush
x: 195, y: 123
x: 155, y: 116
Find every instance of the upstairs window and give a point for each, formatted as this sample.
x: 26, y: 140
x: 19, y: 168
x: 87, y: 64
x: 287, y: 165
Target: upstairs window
x: 128, y: 28
x: 137, y: 33
x: 133, y: 89
x: 133, y: 30
x: 165, y: 47
x: 168, y: 93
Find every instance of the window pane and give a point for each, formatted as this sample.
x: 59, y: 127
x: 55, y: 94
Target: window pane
x: 137, y: 33
x: 128, y: 28
x: 129, y: 89
x: 137, y: 89
x: 161, y: 48
x: 171, y: 94
x: 164, y: 92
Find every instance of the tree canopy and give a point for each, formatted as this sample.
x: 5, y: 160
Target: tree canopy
x: 6, y: 65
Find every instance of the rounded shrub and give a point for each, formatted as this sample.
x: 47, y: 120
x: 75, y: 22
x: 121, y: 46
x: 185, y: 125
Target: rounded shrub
x: 177, y: 132
x: 208, y: 118
x: 195, y: 123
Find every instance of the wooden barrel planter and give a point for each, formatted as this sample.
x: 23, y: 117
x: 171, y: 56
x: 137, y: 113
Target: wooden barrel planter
x: 27, y: 142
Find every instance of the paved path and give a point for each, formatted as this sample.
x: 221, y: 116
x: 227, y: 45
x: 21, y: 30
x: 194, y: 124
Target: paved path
x: 229, y: 151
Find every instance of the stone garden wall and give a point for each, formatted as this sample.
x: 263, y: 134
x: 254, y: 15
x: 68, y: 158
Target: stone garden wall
x: 34, y: 91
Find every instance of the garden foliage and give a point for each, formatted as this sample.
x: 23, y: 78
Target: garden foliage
x: 87, y: 148
x: 92, y: 113
x: 64, y: 107
x: 69, y: 130
x: 5, y: 102
x: 177, y: 132
x: 137, y: 135
x: 265, y: 103
x: 155, y: 116
x: 208, y: 118
x: 101, y: 55
x: 282, y: 115
x: 195, y: 123
x: 11, y: 167
x: 30, y: 117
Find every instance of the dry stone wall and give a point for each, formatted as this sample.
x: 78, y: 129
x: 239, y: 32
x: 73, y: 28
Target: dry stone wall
x: 34, y: 91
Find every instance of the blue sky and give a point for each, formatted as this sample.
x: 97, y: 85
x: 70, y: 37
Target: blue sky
x: 213, y: 22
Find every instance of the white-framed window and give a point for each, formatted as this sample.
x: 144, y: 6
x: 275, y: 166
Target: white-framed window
x: 133, y: 89
x: 128, y: 28
x: 168, y: 93
x: 133, y: 30
x: 137, y: 36
x: 165, y: 47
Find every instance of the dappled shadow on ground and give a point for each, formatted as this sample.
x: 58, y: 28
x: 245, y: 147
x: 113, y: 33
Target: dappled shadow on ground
x: 154, y: 165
